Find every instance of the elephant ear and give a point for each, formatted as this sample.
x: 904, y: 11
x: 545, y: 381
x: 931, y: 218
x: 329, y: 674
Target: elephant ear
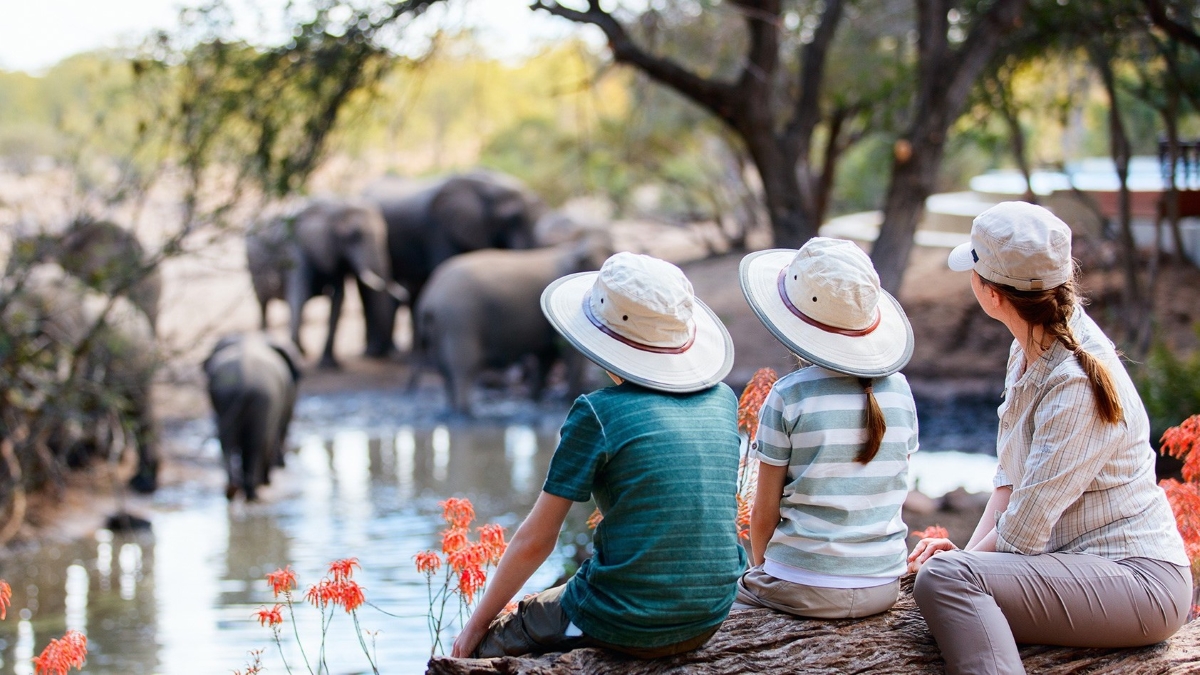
x: 459, y: 211
x: 287, y: 350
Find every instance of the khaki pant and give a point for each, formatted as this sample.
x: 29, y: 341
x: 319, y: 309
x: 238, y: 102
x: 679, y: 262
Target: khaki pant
x: 540, y: 625
x: 980, y: 605
x: 756, y: 588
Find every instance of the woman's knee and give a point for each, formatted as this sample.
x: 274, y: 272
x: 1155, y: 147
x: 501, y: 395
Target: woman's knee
x: 941, y: 574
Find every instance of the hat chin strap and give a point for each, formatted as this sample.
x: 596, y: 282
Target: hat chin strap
x: 787, y: 302
x: 587, y: 311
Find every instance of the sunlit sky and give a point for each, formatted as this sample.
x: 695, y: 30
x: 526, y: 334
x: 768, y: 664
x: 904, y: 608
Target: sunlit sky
x: 36, y: 34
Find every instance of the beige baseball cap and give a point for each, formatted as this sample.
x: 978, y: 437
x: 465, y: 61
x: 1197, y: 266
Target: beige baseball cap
x: 639, y: 318
x: 825, y: 304
x: 1017, y: 244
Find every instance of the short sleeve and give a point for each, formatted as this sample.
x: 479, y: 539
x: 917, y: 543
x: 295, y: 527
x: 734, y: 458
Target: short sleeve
x: 1000, y: 479
x: 582, y: 450
x: 772, y: 443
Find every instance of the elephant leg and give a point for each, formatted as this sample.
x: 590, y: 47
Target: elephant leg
x: 145, y: 480
x: 262, y: 311
x: 255, y: 442
x: 576, y: 368
x: 545, y: 361
x: 298, y: 291
x: 336, y: 297
x: 377, y: 305
x: 459, y: 361
x: 228, y: 407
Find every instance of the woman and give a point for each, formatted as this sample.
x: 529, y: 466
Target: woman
x: 1078, y: 545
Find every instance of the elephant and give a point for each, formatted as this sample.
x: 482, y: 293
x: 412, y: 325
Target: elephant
x: 312, y: 253
x: 457, y: 214
x: 252, y: 382
x: 107, y: 257
x: 94, y: 357
x: 482, y: 310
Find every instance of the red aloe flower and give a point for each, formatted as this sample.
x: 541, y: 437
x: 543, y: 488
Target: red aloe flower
x: 428, y: 562
x: 282, y: 580
x: 255, y: 666
x: 454, y: 539
x: 743, y: 516
x: 458, y: 512
x: 594, y: 520
x: 491, y: 536
x: 269, y: 617
x: 343, y: 569
x: 340, y: 592
x: 5, y: 598
x: 752, y: 399
x: 1185, y: 503
x: 470, y: 582
x: 931, y: 532
x: 1183, y: 442
x: 69, y: 651
x: 474, y: 555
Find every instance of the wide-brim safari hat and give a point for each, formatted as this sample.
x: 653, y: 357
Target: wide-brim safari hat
x: 639, y: 319
x: 824, y: 303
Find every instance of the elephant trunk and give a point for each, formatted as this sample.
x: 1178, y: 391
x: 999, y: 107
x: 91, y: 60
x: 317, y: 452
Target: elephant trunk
x: 376, y: 283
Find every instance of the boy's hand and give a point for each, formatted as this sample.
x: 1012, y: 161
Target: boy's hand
x: 926, y: 549
x: 466, y: 642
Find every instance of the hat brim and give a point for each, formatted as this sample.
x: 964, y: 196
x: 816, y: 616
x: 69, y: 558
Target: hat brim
x: 705, y: 363
x: 879, y: 353
x: 961, y: 258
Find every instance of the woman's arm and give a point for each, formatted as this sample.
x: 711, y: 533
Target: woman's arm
x: 530, y: 546
x: 984, y: 538
x: 765, y: 514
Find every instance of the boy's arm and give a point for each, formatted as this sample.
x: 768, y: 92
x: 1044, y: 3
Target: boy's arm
x: 765, y: 514
x: 530, y: 546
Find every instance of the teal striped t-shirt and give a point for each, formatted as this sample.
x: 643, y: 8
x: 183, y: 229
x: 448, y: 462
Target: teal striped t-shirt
x: 838, y: 516
x: 663, y: 470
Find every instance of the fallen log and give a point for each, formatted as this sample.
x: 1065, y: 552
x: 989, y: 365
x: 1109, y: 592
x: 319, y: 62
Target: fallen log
x: 898, y: 641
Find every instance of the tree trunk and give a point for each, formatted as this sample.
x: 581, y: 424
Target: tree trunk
x: 897, y: 642
x: 913, y: 173
x: 791, y: 223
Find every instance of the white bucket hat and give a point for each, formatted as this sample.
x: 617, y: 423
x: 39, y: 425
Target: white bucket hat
x: 824, y: 303
x: 637, y: 318
x: 1017, y: 244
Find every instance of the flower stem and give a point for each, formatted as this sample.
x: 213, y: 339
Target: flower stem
x: 296, y: 631
x: 363, y: 643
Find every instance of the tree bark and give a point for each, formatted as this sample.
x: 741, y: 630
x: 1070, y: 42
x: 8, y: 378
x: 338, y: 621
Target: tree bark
x: 945, y: 77
x: 896, y: 642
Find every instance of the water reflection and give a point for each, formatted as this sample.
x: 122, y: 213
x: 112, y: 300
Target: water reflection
x: 181, y: 600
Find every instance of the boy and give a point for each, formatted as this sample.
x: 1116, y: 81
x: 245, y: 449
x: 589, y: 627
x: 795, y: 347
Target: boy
x: 658, y: 453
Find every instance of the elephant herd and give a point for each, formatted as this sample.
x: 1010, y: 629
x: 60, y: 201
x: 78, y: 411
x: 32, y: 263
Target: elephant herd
x: 461, y: 252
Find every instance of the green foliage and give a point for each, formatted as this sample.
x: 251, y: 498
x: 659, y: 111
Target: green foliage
x: 1170, y: 386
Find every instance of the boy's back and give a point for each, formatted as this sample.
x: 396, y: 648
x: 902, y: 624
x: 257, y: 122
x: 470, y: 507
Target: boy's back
x: 663, y: 469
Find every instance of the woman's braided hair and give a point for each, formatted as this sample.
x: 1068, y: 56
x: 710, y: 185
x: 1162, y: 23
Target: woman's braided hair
x: 1051, y: 309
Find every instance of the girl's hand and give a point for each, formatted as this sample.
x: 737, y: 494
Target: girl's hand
x: 466, y: 642
x: 926, y: 549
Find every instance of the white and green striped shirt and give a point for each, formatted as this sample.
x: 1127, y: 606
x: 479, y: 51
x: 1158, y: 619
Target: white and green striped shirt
x: 837, y: 516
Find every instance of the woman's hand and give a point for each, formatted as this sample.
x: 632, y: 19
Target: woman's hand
x: 466, y: 642
x: 926, y: 549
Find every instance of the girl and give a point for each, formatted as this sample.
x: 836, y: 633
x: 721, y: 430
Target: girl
x: 834, y: 437
x: 1078, y: 546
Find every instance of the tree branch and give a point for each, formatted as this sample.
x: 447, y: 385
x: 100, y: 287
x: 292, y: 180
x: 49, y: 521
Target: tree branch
x: 812, y: 74
x: 718, y: 97
x: 1179, y: 31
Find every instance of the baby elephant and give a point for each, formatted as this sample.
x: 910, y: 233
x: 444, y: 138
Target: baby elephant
x: 252, y: 383
x: 482, y: 310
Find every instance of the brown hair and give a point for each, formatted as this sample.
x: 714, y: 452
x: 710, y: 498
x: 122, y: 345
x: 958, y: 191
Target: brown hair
x: 875, y: 424
x: 1051, y: 309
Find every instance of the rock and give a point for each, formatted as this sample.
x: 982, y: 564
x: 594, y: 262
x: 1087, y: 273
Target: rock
x: 959, y: 500
x: 920, y: 503
x: 898, y: 641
